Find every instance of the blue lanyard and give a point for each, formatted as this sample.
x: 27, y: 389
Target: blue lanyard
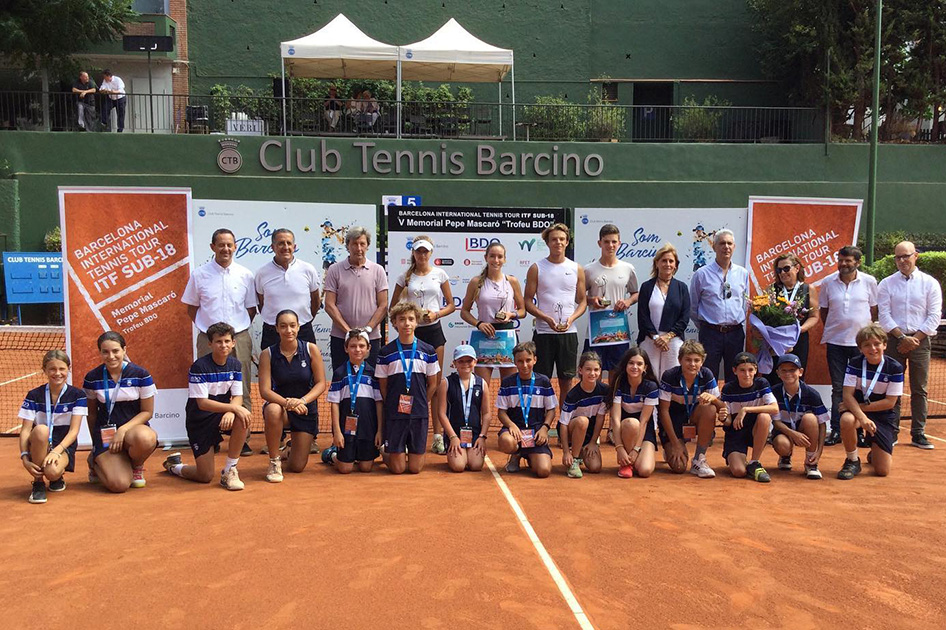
x: 353, y: 386
x: 788, y: 407
x: 526, y: 405
x: 51, y: 410
x: 467, y: 398
x: 408, y: 369
x: 868, y: 390
x: 686, y: 392
x: 109, y: 403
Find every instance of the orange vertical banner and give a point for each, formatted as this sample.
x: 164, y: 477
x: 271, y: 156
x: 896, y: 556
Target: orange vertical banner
x: 812, y: 229
x: 127, y: 258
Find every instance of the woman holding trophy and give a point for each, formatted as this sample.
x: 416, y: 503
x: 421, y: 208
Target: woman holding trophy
x: 499, y: 303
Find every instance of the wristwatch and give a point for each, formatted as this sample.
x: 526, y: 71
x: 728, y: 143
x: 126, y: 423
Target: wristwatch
x: 655, y: 337
x: 637, y: 449
x: 367, y: 329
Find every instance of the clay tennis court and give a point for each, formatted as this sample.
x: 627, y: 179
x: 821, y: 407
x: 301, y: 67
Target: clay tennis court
x: 441, y: 550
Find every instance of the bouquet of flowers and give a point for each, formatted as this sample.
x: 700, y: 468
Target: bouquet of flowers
x: 776, y: 319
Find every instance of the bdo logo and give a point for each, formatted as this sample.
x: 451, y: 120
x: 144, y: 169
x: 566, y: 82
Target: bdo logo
x: 479, y: 243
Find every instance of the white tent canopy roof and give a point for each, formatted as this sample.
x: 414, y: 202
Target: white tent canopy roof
x: 452, y: 54
x: 340, y: 50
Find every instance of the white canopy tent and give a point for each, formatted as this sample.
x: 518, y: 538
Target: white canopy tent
x: 342, y: 50
x: 338, y: 50
x: 453, y: 54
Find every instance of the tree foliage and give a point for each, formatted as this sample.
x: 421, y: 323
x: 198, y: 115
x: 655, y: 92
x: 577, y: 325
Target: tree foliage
x: 799, y: 36
x: 48, y: 33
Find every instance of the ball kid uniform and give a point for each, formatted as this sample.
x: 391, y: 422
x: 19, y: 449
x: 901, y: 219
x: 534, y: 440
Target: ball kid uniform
x: 792, y: 408
x: 209, y: 380
x: 359, y: 431
x: 632, y: 405
x: 40, y: 409
x: 683, y: 401
x: 736, y: 397
x: 116, y: 403
x: 516, y: 396
x: 406, y: 408
x: 578, y: 403
x: 463, y: 408
x: 873, y: 383
x: 292, y: 378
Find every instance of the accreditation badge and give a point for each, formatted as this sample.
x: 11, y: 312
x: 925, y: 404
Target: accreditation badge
x: 466, y: 437
x: 528, y: 438
x: 351, y: 425
x: 405, y: 402
x: 107, y: 432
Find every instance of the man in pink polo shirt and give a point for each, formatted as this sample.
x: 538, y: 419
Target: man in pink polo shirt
x: 356, y: 296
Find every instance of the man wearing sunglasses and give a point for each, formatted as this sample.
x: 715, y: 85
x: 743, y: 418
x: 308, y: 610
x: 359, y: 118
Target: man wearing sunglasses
x: 848, y: 302
x: 718, y: 305
x: 909, y: 304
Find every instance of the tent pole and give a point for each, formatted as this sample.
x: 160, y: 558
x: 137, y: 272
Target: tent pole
x: 514, y: 96
x: 282, y: 91
x: 398, y: 92
x: 500, y: 86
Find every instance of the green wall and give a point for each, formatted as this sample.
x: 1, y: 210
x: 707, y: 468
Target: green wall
x: 911, y: 190
x: 559, y: 45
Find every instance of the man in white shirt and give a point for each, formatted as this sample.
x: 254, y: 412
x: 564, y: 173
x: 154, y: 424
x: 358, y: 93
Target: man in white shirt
x: 611, y: 285
x: 224, y: 291
x: 848, y: 300
x: 287, y: 283
x: 718, y: 305
x: 114, y: 90
x: 910, y: 305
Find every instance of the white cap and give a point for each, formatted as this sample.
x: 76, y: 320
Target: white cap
x: 464, y: 350
x: 423, y: 244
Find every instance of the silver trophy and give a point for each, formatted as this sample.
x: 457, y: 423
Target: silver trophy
x: 501, y: 314
x: 600, y: 282
x: 560, y: 317
x: 420, y: 295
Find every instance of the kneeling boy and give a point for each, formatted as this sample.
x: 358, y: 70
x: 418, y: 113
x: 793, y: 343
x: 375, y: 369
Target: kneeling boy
x: 802, y: 417
x: 407, y: 374
x: 526, y: 407
x: 750, y: 405
x: 873, y: 384
x: 689, y: 395
x: 214, y: 405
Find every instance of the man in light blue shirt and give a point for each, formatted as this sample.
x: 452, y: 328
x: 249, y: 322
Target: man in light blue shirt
x: 718, y: 304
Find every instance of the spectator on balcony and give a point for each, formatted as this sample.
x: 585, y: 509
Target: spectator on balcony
x: 333, y: 108
x: 114, y: 90
x: 84, y: 89
x: 364, y: 108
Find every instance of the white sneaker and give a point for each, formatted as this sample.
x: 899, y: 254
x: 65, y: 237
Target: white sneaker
x: 701, y: 469
x: 512, y: 466
x: 274, y: 474
x: 812, y: 472
x: 231, y: 479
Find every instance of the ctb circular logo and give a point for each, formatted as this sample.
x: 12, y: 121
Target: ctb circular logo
x: 229, y: 159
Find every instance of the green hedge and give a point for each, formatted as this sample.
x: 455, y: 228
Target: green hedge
x: 933, y: 263
x: 884, y: 242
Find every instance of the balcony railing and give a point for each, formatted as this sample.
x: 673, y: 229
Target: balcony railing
x: 162, y: 113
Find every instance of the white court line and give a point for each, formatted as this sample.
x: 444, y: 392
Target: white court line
x: 19, y: 378
x: 570, y: 599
